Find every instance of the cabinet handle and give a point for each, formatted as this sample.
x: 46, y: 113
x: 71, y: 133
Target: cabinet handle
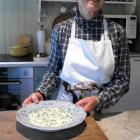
x: 10, y: 83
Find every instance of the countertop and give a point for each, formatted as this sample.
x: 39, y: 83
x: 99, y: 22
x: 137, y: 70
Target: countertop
x: 121, y: 126
x: 12, y: 130
x: 116, y: 126
x: 28, y: 61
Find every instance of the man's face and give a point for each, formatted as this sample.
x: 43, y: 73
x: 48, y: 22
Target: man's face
x: 90, y: 7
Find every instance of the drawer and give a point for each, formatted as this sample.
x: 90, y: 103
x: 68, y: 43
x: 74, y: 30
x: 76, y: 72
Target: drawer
x: 21, y: 72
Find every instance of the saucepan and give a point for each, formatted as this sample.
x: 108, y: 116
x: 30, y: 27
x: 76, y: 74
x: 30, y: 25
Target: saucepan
x: 19, y: 50
x: 22, y: 46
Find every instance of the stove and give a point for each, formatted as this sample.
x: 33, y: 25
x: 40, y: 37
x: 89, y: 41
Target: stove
x: 9, y: 58
x: 12, y: 80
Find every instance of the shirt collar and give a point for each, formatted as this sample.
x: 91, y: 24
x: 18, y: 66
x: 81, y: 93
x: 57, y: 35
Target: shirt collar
x: 94, y: 22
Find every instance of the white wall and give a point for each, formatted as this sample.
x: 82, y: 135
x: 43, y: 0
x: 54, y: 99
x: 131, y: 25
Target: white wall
x: 16, y: 17
x: 2, y: 44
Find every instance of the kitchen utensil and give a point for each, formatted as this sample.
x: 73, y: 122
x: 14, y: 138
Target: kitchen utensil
x: 24, y: 40
x: 19, y: 50
x: 41, y: 40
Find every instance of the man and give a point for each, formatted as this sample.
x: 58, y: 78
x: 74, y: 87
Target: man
x: 89, y: 60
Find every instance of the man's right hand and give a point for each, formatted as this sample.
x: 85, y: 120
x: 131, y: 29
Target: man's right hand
x: 36, y: 97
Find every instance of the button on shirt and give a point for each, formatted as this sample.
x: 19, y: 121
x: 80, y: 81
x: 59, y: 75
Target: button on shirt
x: 109, y: 93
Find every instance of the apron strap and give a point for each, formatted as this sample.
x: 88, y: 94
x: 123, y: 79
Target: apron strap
x: 105, y: 27
x: 73, y: 29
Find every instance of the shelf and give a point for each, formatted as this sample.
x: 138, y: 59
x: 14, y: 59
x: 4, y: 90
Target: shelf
x: 114, y: 7
x: 119, y: 2
x: 109, y: 2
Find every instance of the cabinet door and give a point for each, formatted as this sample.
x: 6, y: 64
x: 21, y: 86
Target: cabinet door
x: 38, y: 75
x: 26, y: 89
x: 25, y: 77
x: 131, y: 100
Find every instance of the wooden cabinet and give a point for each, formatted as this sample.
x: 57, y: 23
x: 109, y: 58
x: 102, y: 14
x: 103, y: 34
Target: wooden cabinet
x: 131, y: 100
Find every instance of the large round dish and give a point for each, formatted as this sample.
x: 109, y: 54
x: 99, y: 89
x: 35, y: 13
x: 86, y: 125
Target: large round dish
x: 78, y: 114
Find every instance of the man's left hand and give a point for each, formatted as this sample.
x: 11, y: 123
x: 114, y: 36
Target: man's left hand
x: 88, y: 103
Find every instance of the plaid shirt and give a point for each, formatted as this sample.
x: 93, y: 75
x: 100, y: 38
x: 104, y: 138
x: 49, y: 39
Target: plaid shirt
x: 109, y: 93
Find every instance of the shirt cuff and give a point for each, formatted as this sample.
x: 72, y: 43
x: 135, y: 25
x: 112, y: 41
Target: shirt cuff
x: 43, y: 94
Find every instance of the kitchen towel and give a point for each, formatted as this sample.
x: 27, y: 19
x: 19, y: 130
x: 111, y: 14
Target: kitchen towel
x: 41, y: 39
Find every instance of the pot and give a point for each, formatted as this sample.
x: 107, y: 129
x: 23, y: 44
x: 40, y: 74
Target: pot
x: 19, y: 51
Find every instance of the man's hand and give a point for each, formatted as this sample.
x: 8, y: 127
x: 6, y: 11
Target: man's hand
x: 34, y: 98
x: 88, y: 103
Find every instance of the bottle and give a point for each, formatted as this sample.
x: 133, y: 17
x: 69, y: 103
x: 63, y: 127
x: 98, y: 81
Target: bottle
x: 41, y: 41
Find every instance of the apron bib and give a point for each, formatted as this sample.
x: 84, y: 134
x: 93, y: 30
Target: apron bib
x: 87, y: 60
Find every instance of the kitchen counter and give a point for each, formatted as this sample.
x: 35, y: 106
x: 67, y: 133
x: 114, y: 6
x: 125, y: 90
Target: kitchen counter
x: 28, y: 61
x: 116, y: 126
x: 121, y: 126
x: 12, y: 130
x: 23, y: 64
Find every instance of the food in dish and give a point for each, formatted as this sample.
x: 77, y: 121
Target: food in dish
x: 62, y: 115
x: 50, y: 117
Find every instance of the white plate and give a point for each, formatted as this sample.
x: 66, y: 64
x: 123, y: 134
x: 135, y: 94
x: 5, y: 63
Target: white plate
x: 78, y: 114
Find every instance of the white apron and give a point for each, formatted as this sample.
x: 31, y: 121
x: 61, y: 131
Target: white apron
x: 87, y: 60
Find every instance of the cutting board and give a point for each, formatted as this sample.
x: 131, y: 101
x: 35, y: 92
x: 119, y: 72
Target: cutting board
x: 92, y: 131
x: 10, y: 129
